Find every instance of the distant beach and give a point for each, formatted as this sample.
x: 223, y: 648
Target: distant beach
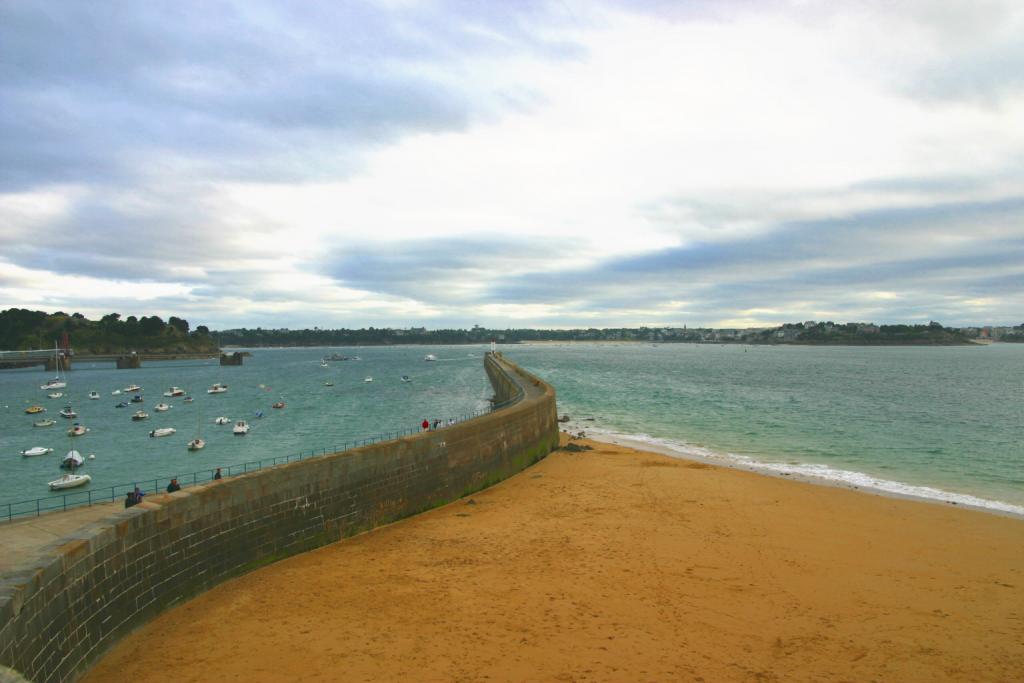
x: 624, y: 565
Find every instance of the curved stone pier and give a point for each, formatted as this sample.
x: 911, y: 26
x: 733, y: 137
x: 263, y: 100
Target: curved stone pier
x: 66, y: 606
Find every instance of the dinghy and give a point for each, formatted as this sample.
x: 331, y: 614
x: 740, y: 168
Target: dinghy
x: 69, y: 481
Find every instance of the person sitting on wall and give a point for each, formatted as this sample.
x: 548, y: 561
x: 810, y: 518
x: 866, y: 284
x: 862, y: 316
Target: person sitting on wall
x: 129, y: 499
x: 425, y: 424
x: 137, y: 494
x: 216, y: 475
x: 173, y: 486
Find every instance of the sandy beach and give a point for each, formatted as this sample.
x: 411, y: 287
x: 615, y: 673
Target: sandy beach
x: 614, y: 564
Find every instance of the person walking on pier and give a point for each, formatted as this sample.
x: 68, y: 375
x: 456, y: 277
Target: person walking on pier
x: 425, y: 424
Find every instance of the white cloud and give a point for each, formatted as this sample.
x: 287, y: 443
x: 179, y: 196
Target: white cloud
x: 608, y: 134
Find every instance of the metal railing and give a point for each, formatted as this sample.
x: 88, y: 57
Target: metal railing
x: 94, y: 496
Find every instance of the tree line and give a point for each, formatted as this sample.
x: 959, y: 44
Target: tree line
x: 23, y: 329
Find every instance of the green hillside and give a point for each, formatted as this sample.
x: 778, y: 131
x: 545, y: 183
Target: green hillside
x: 22, y: 329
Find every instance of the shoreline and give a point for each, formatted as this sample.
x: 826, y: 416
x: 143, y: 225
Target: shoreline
x: 869, y: 484
x: 613, y: 564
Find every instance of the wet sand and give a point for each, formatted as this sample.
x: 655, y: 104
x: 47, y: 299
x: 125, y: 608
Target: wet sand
x: 621, y: 565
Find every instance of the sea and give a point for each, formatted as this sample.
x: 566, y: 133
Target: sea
x: 939, y: 423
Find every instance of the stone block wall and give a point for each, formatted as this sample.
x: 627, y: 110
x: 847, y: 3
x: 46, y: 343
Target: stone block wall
x: 61, y: 614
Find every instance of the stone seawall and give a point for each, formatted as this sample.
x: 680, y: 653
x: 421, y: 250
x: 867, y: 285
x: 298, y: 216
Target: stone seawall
x: 63, y: 612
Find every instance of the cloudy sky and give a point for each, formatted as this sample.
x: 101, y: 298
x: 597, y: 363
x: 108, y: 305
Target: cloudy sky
x: 400, y: 163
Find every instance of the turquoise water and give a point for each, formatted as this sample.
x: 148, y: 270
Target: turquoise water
x: 315, y: 416
x: 913, y: 420
x: 943, y: 423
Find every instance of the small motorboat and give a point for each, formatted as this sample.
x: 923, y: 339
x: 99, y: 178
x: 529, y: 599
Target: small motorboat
x: 221, y: 420
x: 122, y: 404
x: 430, y: 357
x: 72, y: 460
x: 161, y: 407
x: 92, y: 456
x: 115, y: 392
x: 217, y: 388
x: 68, y: 412
x: 241, y: 428
x: 140, y: 415
x: 44, y: 423
x: 328, y: 384
x: 368, y: 380
x: 163, y: 431
x: 78, y: 430
x: 406, y: 378
x: 174, y: 392
x: 94, y: 395
x: 132, y: 388
x: 69, y: 481
x: 188, y: 399
x: 278, y: 405
x: 36, y: 450
x: 137, y: 398
x: 323, y: 362
x: 196, y: 444
x: 32, y: 410
x: 55, y: 394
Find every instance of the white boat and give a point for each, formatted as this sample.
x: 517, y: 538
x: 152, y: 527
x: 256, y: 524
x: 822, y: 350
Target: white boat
x: 174, y: 391
x: 406, y: 378
x: 137, y: 398
x: 241, y: 428
x: 132, y: 388
x: 221, y: 420
x: 368, y: 380
x: 115, y: 392
x: 44, y: 423
x: 57, y: 382
x: 430, y: 357
x: 69, y: 481
x: 198, y: 443
x: 55, y: 394
x: 161, y: 407
x: 217, y: 388
x: 68, y: 412
x: 77, y: 430
x: 323, y: 362
x: 140, y: 415
x: 328, y: 384
x: 36, y: 450
x: 72, y: 460
x: 94, y: 395
x: 163, y: 431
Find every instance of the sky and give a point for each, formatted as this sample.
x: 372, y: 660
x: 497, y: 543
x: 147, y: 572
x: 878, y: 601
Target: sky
x: 514, y: 164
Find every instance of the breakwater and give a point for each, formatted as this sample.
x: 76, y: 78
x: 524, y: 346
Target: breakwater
x: 62, y: 611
